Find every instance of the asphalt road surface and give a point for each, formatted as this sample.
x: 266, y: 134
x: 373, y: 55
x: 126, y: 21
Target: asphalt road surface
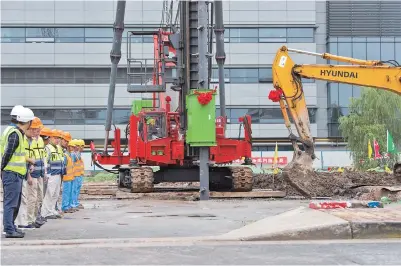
x: 201, y: 253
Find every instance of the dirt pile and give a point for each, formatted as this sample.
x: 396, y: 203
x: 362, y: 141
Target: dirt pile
x: 317, y: 184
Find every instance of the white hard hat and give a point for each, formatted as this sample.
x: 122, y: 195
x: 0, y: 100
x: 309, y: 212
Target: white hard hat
x: 24, y: 115
x: 16, y: 109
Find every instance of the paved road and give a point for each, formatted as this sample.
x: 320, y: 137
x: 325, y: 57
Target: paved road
x: 143, y: 219
x: 261, y: 253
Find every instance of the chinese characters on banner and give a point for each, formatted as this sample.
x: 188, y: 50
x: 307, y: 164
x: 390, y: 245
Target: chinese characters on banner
x: 265, y: 160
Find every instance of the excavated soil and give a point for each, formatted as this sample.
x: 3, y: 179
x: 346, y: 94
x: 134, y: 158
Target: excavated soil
x: 315, y: 184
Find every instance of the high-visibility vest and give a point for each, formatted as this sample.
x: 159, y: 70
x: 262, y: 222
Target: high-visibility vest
x: 81, y: 165
x: 36, y: 151
x: 2, y: 140
x: 17, y: 162
x: 69, y: 174
x: 63, y: 162
x: 55, y: 160
x: 76, y: 165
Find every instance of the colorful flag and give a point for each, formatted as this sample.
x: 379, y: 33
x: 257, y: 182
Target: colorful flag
x: 377, y: 149
x: 275, y: 159
x: 390, y: 144
x: 369, y: 150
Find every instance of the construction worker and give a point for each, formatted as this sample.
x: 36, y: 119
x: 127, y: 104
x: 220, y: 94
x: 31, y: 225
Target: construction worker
x: 78, y: 172
x: 68, y: 178
x: 45, y: 134
x: 29, y: 185
x: 55, y: 170
x: 81, y: 172
x: 35, y: 191
x: 14, y: 167
x: 60, y: 150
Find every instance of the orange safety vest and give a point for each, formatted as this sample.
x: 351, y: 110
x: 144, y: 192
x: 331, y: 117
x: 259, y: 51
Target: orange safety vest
x: 76, y: 167
x: 69, y: 176
x: 82, y: 166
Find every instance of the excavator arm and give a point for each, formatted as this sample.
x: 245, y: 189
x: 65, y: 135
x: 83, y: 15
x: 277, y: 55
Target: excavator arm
x: 288, y: 91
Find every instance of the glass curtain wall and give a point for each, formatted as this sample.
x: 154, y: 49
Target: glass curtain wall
x: 367, y: 48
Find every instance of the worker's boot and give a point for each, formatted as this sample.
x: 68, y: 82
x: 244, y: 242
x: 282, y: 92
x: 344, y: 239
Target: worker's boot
x: 80, y: 206
x: 15, y: 235
x: 36, y: 225
x: 26, y: 227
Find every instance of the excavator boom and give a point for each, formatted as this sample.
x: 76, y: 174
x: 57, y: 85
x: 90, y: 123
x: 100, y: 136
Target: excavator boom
x: 287, y: 81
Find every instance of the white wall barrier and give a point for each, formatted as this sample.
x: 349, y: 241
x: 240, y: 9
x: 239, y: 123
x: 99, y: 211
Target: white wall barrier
x: 264, y: 159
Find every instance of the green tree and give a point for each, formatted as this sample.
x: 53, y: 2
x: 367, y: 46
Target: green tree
x: 370, y: 116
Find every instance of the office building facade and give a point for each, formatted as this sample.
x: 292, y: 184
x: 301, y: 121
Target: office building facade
x: 55, y: 59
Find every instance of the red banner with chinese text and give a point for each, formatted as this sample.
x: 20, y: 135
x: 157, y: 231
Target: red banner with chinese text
x: 266, y: 160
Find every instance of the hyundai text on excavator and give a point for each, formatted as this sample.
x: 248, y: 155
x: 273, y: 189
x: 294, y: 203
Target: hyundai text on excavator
x: 289, y: 93
x: 187, y: 143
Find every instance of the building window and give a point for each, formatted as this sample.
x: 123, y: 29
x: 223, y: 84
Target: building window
x: 244, y: 35
x: 41, y: 35
x: 244, y: 75
x: 105, y: 35
x: 300, y: 35
x: 99, y: 35
x: 265, y: 75
x: 262, y: 115
x: 273, y: 35
x: 69, y: 35
x: 13, y: 35
x: 63, y: 76
x: 73, y: 116
x: 81, y: 75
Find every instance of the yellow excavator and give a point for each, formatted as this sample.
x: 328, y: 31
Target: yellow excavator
x: 289, y: 93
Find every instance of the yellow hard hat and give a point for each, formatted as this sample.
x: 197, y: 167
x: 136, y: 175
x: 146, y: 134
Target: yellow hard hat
x: 72, y: 143
x: 76, y: 142
x: 82, y: 142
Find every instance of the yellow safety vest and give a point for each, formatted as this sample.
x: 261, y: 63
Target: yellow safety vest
x: 55, y: 160
x: 69, y: 175
x: 2, y: 144
x: 17, y: 162
x: 36, y: 151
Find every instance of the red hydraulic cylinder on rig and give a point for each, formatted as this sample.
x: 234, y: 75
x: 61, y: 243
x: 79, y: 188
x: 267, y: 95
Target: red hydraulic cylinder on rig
x: 133, y: 137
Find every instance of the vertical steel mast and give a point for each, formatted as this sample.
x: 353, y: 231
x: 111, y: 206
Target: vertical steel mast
x: 220, y: 54
x: 115, y: 56
x: 203, y: 62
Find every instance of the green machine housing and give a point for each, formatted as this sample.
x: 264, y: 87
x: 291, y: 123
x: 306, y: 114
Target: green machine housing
x: 201, y: 131
x: 137, y: 105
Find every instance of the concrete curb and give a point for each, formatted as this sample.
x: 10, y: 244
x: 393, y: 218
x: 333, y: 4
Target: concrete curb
x: 298, y: 224
x: 370, y: 230
x: 68, y: 242
x: 309, y: 224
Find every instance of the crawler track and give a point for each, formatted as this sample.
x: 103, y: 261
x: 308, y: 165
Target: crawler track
x: 242, y: 179
x: 142, y: 180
